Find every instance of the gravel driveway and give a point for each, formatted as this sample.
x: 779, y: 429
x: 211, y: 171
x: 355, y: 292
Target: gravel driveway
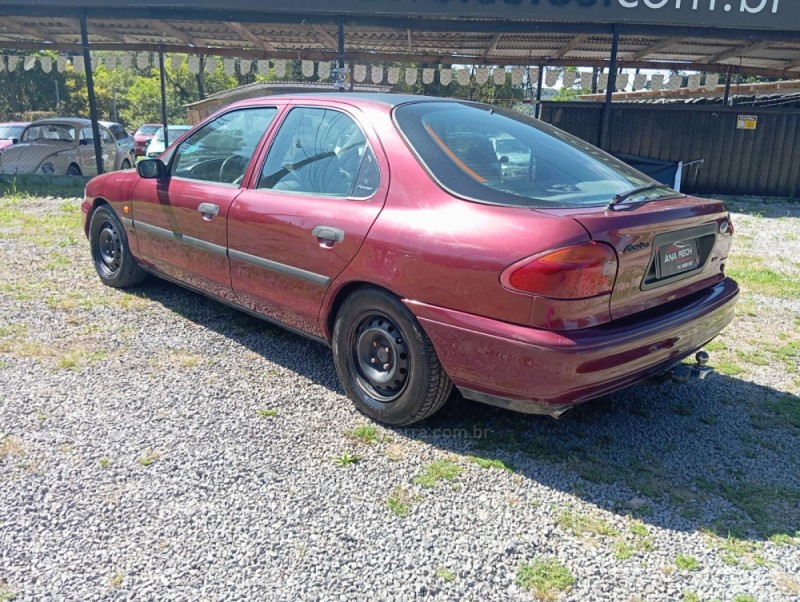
x: 156, y: 445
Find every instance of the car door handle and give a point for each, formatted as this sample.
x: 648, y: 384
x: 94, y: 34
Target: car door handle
x: 208, y: 210
x: 328, y: 235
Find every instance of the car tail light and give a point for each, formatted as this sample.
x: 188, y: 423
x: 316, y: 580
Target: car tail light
x: 574, y: 272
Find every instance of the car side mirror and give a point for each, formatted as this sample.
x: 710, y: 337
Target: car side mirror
x: 151, y: 169
x: 15, y: 141
x: 504, y: 159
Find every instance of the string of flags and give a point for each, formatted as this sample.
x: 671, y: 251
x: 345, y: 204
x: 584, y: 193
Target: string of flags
x: 378, y: 74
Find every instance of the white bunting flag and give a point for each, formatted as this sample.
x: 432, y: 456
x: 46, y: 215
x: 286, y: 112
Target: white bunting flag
x: 393, y: 75
x: 481, y: 75
x: 263, y: 66
x: 622, y: 81
x: 2, y: 64
x: 142, y: 60
x: 194, y: 65
x: 29, y: 63
x: 324, y: 70
x: 307, y: 68
x: 229, y: 66
x: 280, y: 68
x: 411, y: 76
x: 176, y: 60
x: 445, y: 77
x: 550, y: 78
x: 95, y: 58
x: 125, y: 61
x: 77, y: 63
x: 110, y: 61
x: 47, y: 63
x: 568, y: 79
x: 245, y: 66
x: 694, y: 82
x: 533, y: 74
x: 211, y: 64
x: 712, y: 81
x: 602, y: 82
x: 427, y: 76
x: 639, y: 80
x: 675, y: 81
x: 657, y: 82
x: 516, y: 76
x: 376, y: 73
x: 582, y: 79
x: 499, y: 76
x: 359, y: 73
x: 61, y: 63
x: 463, y: 77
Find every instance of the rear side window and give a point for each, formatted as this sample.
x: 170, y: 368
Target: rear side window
x: 320, y: 152
x: 490, y: 155
x: 118, y: 131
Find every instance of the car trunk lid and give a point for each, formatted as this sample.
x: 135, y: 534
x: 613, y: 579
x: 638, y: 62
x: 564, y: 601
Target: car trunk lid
x: 666, y: 248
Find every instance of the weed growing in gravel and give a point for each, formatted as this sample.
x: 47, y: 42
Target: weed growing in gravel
x: 744, y: 598
x: 581, y: 524
x: 787, y: 583
x: 116, y: 579
x: 149, y: 457
x: 490, y: 463
x: 104, y: 462
x: 364, y: 433
x: 784, y: 539
x: 689, y: 596
x: 751, y: 273
x: 11, y: 446
x: 440, y: 470
x: 545, y: 578
x: 445, y: 574
x: 346, y: 459
x: 687, y: 563
x: 265, y: 413
x: 682, y: 410
x: 399, y: 502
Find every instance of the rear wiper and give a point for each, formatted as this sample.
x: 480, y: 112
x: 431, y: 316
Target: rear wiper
x: 622, y: 196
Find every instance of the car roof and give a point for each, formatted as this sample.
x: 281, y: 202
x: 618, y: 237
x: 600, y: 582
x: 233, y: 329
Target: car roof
x: 74, y: 121
x: 386, y: 99
x: 15, y: 123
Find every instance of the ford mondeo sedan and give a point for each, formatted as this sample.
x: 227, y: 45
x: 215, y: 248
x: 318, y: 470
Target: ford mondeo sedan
x: 386, y: 227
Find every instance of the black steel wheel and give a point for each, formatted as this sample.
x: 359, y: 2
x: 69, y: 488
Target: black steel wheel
x: 112, y: 257
x: 385, y: 360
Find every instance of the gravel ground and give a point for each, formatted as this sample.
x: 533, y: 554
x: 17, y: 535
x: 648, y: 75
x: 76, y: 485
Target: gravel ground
x: 156, y: 445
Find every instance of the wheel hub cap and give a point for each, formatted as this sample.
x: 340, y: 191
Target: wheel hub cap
x: 381, y: 358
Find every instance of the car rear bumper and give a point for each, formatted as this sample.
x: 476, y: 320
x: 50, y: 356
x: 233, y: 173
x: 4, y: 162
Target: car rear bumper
x: 543, y: 371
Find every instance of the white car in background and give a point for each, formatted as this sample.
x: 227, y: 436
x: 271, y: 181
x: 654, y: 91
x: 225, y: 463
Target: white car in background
x: 156, y: 146
x: 63, y: 146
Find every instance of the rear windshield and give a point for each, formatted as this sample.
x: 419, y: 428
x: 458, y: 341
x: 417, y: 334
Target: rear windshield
x: 9, y: 132
x: 502, y: 157
x: 148, y: 130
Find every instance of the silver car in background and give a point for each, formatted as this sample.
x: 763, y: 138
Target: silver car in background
x: 156, y: 146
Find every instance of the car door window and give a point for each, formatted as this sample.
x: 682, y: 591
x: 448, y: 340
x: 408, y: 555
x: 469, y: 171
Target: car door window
x: 221, y: 150
x: 321, y: 152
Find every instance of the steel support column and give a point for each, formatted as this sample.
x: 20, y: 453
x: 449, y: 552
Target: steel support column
x: 340, y: 58
x: 87, y: 66
x: 605, y: 125
x: 539, y: 81
x: 163, y: 96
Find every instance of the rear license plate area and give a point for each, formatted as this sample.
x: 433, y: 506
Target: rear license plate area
x: 676, y: 258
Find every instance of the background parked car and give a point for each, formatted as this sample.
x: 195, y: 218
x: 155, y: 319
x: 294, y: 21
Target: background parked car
x: 62, y: 146
x: 143, y: 136
x: 10, y: 133
x: 124, y: 140
x: 156, y: 146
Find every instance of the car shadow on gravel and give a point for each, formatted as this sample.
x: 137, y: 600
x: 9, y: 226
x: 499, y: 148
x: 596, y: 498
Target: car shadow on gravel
x: 720, y: 455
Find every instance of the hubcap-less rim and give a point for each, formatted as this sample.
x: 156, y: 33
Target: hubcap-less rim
x: 381, y: 358
x: 109, y: 248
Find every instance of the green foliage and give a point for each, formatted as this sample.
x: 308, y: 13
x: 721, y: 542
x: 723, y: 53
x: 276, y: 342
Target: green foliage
x: 545, y: 578
x: 687, y: 563
x: 440, y: 470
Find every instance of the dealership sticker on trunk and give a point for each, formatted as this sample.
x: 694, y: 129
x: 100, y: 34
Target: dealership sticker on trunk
x: 677, y: 257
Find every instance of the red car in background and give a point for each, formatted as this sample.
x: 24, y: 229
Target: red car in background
x: 143, y: 136
x: 10, y: 133
x: 387, y: 227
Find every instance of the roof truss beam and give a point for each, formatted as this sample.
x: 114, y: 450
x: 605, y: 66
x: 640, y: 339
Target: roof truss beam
x: 654, y: 48
x: 172, y: 31
x: 492, y: 45
x: 27, y: 30
x: 328, y: 40
x: 248, y: 35
x: 571, y: 45
x: 736, y: 51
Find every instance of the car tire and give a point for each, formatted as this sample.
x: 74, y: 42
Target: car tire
x: 125, y: 164
x: 385, y: 361
x: 111, y: 254
x: 73, y: 170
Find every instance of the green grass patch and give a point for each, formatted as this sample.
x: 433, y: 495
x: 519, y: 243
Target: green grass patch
x: 438, y: 471
x: 490, y: 463
x: 751, y: 273
x: 445, y: 574
x: 581, y: 524
x: 347, y: 459
x: 546, y: 579
x: 365, y: 433
x: 687, y: 563
x: 267, y: 413
x: 399, y: 502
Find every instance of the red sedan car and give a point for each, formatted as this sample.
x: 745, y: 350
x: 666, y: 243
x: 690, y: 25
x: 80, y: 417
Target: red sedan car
x: 143, y: 136
x: 390, y: 228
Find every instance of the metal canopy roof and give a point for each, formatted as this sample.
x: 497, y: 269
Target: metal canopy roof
x: 756, y: 37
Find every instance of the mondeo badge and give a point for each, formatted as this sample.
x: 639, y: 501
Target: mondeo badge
x: 637, y: 247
